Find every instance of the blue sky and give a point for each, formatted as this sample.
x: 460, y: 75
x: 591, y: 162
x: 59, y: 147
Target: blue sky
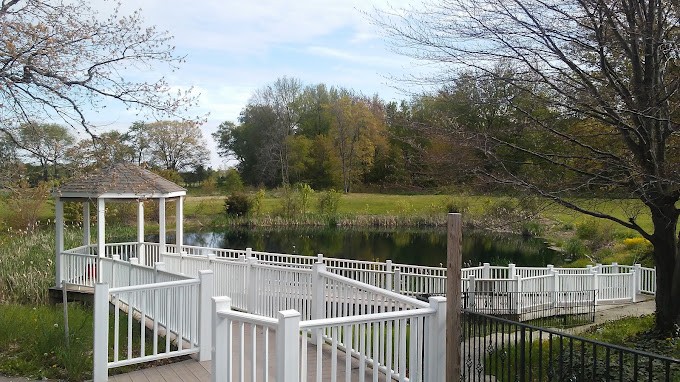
x: 233, y: 48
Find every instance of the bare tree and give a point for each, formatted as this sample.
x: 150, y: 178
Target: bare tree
x: 60, y: 59
x: 609, y: 66
x: 281, y: 97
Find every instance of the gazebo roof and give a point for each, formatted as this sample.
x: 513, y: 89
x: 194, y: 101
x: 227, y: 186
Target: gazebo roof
x: 120, y: 181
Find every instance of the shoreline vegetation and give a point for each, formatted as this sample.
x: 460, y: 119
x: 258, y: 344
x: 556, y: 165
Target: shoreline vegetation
x: 27, y: 249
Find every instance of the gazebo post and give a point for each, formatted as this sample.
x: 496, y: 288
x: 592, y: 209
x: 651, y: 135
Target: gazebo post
x: 101, y: 223
x: 59, y: 239
x: 179, y: 230
x: 161, y: 228
x: 140, y: 232
x: 86, y: 223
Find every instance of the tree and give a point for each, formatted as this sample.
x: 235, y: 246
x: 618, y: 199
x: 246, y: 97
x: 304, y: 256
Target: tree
x: 58, y: 59
x: 47, y: 144
x: 176, y: 145
x: 107, y: 149
x: 608, y: 68
x: 10, y: 165
x: 281, y: 97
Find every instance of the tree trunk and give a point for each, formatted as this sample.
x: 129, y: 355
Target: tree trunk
x: 667, y: 269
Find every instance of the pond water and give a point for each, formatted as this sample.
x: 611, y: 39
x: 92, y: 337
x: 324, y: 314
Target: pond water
x: 421, y: 247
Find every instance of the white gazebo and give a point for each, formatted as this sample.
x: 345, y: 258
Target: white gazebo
x: 122, y: 182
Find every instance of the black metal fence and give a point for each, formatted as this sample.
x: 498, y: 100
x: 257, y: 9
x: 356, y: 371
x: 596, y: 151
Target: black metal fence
x: 559, y: 309
x: 497, y: 349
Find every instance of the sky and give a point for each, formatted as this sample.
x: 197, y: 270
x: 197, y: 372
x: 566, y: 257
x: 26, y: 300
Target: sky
x: 233, y: 48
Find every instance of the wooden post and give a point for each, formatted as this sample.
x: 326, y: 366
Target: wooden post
x: 140, y: 232
x: 288, y: 346
x: 86, y: 223
x: 204, y: 315
x: 101, y: 333
x: 162, y: 234
x: 101, y: 234
x: 221, y: 341
x: 454, y: 262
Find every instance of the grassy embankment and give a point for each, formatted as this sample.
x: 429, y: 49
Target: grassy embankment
x: 35, y: 347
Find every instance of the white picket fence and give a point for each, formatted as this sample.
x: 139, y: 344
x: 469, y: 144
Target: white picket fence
x: 360, y: 311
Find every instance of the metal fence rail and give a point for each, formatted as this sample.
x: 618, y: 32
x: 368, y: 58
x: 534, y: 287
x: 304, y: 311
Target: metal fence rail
x: 496, y: 349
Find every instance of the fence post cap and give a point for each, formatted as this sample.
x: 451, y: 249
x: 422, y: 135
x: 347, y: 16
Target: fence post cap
x: 289, y: 313
x: 205, y: 272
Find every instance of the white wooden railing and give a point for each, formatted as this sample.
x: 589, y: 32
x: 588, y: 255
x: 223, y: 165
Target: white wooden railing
x: 170, y: 305
x: 342, y: 303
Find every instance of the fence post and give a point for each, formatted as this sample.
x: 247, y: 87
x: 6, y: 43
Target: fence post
x: 596, y: 285
x: 615, y: 267
x: 435, y: 347
x: 249, y: 252
x: 211, y: 260
x: 319, y: 258
x: 252, y: 285
x: 318, y: 296
x: 633, y: 285
x: 638, y: 277
x: 397, y: 280
x: 518, y: 294
x: 114, y: 274
x: 288, y: 346
x: 221, y: 341
x: 157, y: 268
x: 389, y: 270
x: 100, y: 371
x: 556, y: 288
x: 204, y: 329
x: 471, y: 292
x: 486, y: 271
x: 511, y: 271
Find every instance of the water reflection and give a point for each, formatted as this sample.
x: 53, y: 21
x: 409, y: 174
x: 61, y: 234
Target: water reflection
x: 424, y: 247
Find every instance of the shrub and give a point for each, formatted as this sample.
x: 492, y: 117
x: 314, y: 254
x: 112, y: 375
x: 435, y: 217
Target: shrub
x: 237, y: 204
x: 329, y: 202
x: 575, y: 247
x: 597, y: 233
x: 231, y: 181
x: 457, y: 206
x: 304, y: 193
x: 257, y: 202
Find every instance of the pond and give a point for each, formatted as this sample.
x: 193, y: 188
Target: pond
x: 421, y: 247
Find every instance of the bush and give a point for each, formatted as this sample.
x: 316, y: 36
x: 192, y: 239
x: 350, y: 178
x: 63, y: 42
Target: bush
x: 305, y: 192
x: 575, y: 247
x: 257, y: 202
x: 231, y: 181
x: 237, y: 204
x: 329, y: 202
x: 597, y: 233
x: 24, y: 205
x: 457, y: 206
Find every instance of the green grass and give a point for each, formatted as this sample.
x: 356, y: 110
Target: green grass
x: 34, y: 343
